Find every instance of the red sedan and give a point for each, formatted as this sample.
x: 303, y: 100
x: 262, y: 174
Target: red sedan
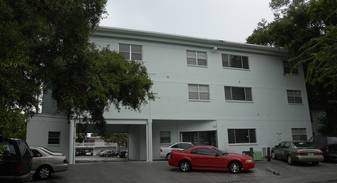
x: 210, y: 158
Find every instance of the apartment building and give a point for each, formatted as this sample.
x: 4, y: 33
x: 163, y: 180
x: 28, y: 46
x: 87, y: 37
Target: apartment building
x: 231, y: 95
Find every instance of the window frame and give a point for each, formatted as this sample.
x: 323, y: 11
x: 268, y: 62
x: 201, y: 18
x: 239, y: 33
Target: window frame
x: 245, y: 93
x: 304, y: 133
x: 250, y: 137
x: 230, y: 65
x: 54, y: 138
x: 198, y: 92
x: 160, y: 137
x: 292, y: 99
x: 196, y: 54
x: 288, y: 69
x: 130, y: 52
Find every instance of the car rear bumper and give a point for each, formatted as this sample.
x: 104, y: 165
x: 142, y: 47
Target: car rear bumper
x: 25, y: 177
x: 315, y: 158
x: 60, y: 167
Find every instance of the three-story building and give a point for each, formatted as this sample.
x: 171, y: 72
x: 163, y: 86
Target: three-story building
x: 231, y: 95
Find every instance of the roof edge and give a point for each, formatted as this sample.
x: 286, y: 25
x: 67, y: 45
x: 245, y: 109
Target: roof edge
x: 186, y: 40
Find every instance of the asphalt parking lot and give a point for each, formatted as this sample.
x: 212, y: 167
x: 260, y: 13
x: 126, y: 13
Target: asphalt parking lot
x: 160, y: 172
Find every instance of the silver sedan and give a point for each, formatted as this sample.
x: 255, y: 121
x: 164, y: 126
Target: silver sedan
x: 297, y: 152
x: 46, y: 162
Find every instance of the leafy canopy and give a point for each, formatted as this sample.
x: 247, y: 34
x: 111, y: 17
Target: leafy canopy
x: 308, y: 29
x: 45, y: 45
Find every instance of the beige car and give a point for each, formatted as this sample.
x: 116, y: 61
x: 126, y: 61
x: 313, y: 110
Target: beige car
x: 46, y: 162
x: 297, y: 152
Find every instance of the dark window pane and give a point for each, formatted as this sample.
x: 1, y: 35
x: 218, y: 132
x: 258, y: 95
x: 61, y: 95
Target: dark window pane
x: 200, y: 137
x: 231, y: 136
x: 202, y: 58
x: 245, y: 62
x: 238, y: 93
x: 248, y: 92
x: 252, y: 135
x: 241, y: 136
x: 235, y: 61
x: 126, y: 55
x: 202, y: 62
x: 191, y: 57
x: 54, y: 137
x: 136, y: 49
x: 124, y: 47
x: 228, y: 93
x: 225, y: 62
x: 136, y: 56
x: 165, y: 136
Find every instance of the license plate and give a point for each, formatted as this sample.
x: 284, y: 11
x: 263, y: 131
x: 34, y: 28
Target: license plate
x: 311, y: 154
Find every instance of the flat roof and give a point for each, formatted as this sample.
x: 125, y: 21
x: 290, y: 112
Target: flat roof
x: 221, y: 45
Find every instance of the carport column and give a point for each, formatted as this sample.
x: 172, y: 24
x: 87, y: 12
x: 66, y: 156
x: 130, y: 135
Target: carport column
x: 149, y: 140
x: 72, y: 135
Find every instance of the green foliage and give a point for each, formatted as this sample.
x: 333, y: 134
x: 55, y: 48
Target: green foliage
x: 308, y: 29
x: 119, y: 138
x: 13, y: 123
x: 46, y: 44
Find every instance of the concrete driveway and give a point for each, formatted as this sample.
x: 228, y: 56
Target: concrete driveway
x: 160, y: 172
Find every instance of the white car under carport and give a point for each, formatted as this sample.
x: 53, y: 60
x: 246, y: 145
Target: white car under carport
x: 165, y: 152
x: 46, y: 162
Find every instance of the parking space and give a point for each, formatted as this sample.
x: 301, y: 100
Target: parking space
x: 159, y: 171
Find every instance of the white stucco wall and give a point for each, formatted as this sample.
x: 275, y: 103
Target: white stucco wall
x: 38, y: 128
x: 269, y: 113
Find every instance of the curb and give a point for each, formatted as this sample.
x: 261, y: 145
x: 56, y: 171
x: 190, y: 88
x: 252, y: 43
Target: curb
x: 273, y: 171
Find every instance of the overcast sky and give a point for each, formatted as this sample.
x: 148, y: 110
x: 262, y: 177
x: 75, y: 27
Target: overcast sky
x: 229, y: 20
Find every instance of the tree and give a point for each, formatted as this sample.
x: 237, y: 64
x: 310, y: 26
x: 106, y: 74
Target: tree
x: 45, y: 44
x: 308, y: 29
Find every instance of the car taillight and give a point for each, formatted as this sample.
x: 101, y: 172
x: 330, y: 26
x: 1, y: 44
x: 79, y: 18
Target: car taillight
x: 301, y: 153
x: 18, y: 168
x: 65, y: 161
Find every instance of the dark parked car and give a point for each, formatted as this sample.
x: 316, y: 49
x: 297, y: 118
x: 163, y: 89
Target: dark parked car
x: 108, y: 153
x: 15, y: 160
x: 297, y: 152
x: 123, y: 154
x: 329, y: 152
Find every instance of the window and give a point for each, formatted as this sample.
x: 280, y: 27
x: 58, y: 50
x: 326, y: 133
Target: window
x: 130, y: 51
x: 241, y: 136
x: 54, y: 137
x: 294, y: 96
x: 289, y: 68
x: 182, y: 145
x: 235, y: 61
x: 198, y: 58
x: 198, y: 92
x: 36, y: 153
x: 165, y: 137
x: 238, y: 93
x: 199, y: 137
x: 204, y: 151
x: 299, y: 134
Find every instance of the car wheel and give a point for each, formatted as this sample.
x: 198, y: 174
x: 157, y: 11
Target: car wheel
x: 43, y: 172
x: 315, y: 163
x: 234, y: 167
x: 273, y: 156
x: 168, y: 156
x: 185, y: 166
x: 290, y: 160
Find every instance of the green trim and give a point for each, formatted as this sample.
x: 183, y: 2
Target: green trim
x: 128, y: 34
